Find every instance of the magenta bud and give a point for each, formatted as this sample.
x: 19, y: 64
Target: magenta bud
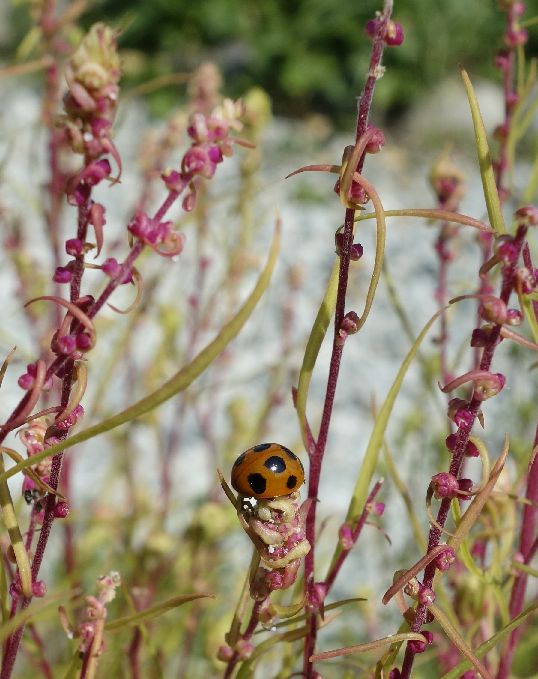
x: 62, y: 275
x: 39, y: 588
x: 444, y: 560
x: 356, y: 252
x: 502, y: 59
x: 225, y: 653
x: 426, y: 596
x: 350, y: 323
x: 74, y: 247
x: 525, y: 280
x: 458, y: 412
x: 84, y: 341
x: 482, y: 336
x: 416, y: 646
x: 25, y: 381
x: 371, y: 28
x: 65, y: 344
x: 394, y: 35
x: 493, y: 309
x: 378, y: 508
x: 528, y: 214
x: 486, y: 387
x: 471, y: 450
x: 506, y: 250
x: 514, y: 317
x: 61, y: 510
x: 444, y: 485
x: 174, y: 180
x: 345, y: 534
x: 515, y: 36
x: 244, y: 648
x: 377, y: 140
x: 395, y: 673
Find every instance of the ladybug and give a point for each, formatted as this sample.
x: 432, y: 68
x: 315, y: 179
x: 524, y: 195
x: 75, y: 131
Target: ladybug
x: 267, y: 470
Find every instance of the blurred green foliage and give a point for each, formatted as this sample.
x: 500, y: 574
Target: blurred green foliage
x: 308, y: 55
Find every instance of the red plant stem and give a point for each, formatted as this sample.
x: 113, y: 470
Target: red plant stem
x: 459, y: 451
x: 316, y: 458
x: 246, y: 636
x: 527, y: 545
x: 354, y: 535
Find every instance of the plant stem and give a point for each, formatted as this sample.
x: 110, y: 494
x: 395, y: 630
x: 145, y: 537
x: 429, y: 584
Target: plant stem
x: 316, y: 459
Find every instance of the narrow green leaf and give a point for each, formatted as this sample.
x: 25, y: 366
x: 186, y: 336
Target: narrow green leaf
x: 321, y: 323
x: 481, y: 651
x: 369, y: 645
x: 371, y: 456
x: 180, y: 381
x: 153, y: 612
x: 459, y: 642
x: 491, y: 195
x: 36, y: 610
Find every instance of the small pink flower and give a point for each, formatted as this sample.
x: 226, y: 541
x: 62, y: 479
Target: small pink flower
x: 62, y: 275
x: 444, y: 485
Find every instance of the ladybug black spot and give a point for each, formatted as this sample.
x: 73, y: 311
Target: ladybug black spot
x: 257, y: 483
x: 291, y: 482
x: 289, y: 453
x: 261, y: 446
x: 240, y: 460
x: 276, y: 464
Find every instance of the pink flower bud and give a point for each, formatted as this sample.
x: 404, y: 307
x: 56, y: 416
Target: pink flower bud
x: 471, y: 450
x: 444, y: 560
x: 377, y: 140
x: 528, y: 214
x: 345, y: 533
x: 225, y: 653
x: 493, y: 309
x: 62, y: 275
x: 514, y: 317
x: 486, y: 387
x: 394, y: 35
x: 74, y: 247
x: 444, y: 485
x: 426, y: 596
x: 61, y: 510
x: 39, y: 588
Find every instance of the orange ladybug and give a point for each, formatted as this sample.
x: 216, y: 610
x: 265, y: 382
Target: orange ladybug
x: 267, y: 470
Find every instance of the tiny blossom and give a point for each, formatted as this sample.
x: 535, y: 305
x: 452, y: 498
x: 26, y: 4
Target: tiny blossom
x: 225, y: 653
x: 39, y: 588
x: 74, y: 247
x: 62, y: 275
x: 459, y: 413
x: 244, y: 648
x: 65, y: 344
x: 26, y: 381
x: 506, y: 250
x: 445, y: 560
x: 514, y: 317
x: 426, y: 596
x: 84, y: 341
x: 379, y: 508
x: 525, y: 280
x: 471, y: 450
x: 345, y: 533
x: 61, y: 510
x: 489, y: 386
x: 528, y: 214
x: 444, y: 485
x: 356, y: 250
x: 377, y: 140
x: 111, y: 267
x: 493, y: 309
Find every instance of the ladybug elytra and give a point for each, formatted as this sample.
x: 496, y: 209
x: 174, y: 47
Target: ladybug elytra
x: 267, y: 470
